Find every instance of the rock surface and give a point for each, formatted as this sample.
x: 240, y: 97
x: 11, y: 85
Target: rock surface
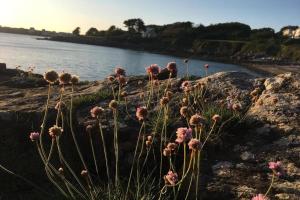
x: 236, y: 170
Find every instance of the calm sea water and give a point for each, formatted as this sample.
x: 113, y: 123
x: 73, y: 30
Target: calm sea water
x: 90, y: 62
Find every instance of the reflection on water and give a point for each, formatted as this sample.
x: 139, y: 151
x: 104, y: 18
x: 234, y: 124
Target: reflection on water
x: 90, y: 62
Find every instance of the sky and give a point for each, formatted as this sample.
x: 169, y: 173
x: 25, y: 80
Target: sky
x: 65, y: 15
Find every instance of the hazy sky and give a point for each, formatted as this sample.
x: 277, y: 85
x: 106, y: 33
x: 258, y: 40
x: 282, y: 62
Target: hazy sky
x: 65, y: 15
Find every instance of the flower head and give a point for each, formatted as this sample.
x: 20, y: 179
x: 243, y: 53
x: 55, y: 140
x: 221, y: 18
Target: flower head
x: 197, y: 120
x: 237, y: 106
x: 171, y: 178
x: 183, y: 134
x: 89, y: 128
x: 74, y: 79
x: 141, y: 113
x: 61, y: 170
x: 113, y: 104
x: 172, y: 67
x: 186, y: 60
x: 111, y: 78
x: 185, y: 84
x: 121, y: 79
x: 206, y: 66
x: 60, y: 105
x: 172, y: 146
x: 164, y: 101
x: 119, y: 71
x: 65, y: 78
x: 153, y: 70
x: 216, y: 118
x: 84, y: 173
x: 167, y: 152
x: 194, y: 144
x: 96, y: 111
x: 276, y: 168
x: 260, y: 197
x: 124, y: 94
x: 51, y: 76
x: 184, y: 111
x: 34, y: 136
x: 55, y: 131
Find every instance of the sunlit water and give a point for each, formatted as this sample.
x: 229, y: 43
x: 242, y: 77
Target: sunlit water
x: 88, y: 61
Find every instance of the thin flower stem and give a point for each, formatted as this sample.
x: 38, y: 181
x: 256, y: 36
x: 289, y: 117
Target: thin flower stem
x: 191, y: 180
x: 116, y: 146
x: 68, y: 166
x: 271, y: 185
x: 74, y: 137
x: 105, y: 156
x: 94, y: 155
x: 198, y: 163
x: 134, y: 157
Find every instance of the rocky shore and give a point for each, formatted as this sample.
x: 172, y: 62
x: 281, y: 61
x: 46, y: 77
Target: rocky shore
x: 235, y: 168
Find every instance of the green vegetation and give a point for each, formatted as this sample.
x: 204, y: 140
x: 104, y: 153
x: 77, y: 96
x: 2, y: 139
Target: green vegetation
x: 231, y: 41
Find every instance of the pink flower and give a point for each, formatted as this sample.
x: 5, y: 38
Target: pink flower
x: 185, y: 84
x: 172, y: 67
x: 153, y: 70
x: 206, y: 66
x: 276, y: 168
x: 171, y: 178
x: 194, y: 144
x: 141, y: 113
x: 260, y: 197
x: 96, y: 111
x: 183, y: 134
x: 34, y: 136
x: 120, y: 71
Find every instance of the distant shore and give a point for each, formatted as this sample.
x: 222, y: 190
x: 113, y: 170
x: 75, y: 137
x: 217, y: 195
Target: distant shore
x: 264, y: 67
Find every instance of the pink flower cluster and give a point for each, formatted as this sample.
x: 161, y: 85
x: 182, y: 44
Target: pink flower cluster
x: 172, y: 67
x: 153, y: 70
x: 260, y: 197
x: 141, y: 113
x: 171, y: 178
x: 183, y: 134
x: 34, y: 136
x: 194, y: 144
x: 119, y: 71
x: 276, y: 168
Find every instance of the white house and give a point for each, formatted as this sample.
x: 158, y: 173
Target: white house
x: 291, y: 33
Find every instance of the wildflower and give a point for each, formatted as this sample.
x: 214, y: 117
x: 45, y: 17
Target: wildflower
x: 150, y: 138
x: 194, y: 144
x: 34, y: 136
x: 148, y: 143
x: 96, y: 111
x: 111, y: 78
x: 55, y: 131
x: 141, y: 113
x: 172, y: 146
x: 84, y: 173
x: 172, y: 67
x: 197, y: 120
x: 122, y: 80
x: 171, y: 178
x: 186, y: 60
x: 89, y: 128
x: 167, y: 152
x: 216, y: 118
x: 164, y: 101
x: 276, y: 168
x: 260, y: 197
x: 74, y: 79
x: 237, y: 106
x: 61, y: 170
x: 185, y: 84
x: 183, y: 134
x: 51, y: 76
x: 206, y: 66
x: 184, y: 111
x: 153, y: 70
x: 113, y: 104
x: 119, y: 71
x: 65, y: 78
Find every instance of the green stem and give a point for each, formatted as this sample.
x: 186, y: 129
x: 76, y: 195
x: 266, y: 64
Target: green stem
x: 93, y: 152
x: 271, y: 185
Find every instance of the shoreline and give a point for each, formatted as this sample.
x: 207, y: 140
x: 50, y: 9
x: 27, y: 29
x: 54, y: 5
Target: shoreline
x: 265, y: 68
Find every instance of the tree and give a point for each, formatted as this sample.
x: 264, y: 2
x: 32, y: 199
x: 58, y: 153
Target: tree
x: 76, y: 31
x: 92, y: 32
x: 135, y: 25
